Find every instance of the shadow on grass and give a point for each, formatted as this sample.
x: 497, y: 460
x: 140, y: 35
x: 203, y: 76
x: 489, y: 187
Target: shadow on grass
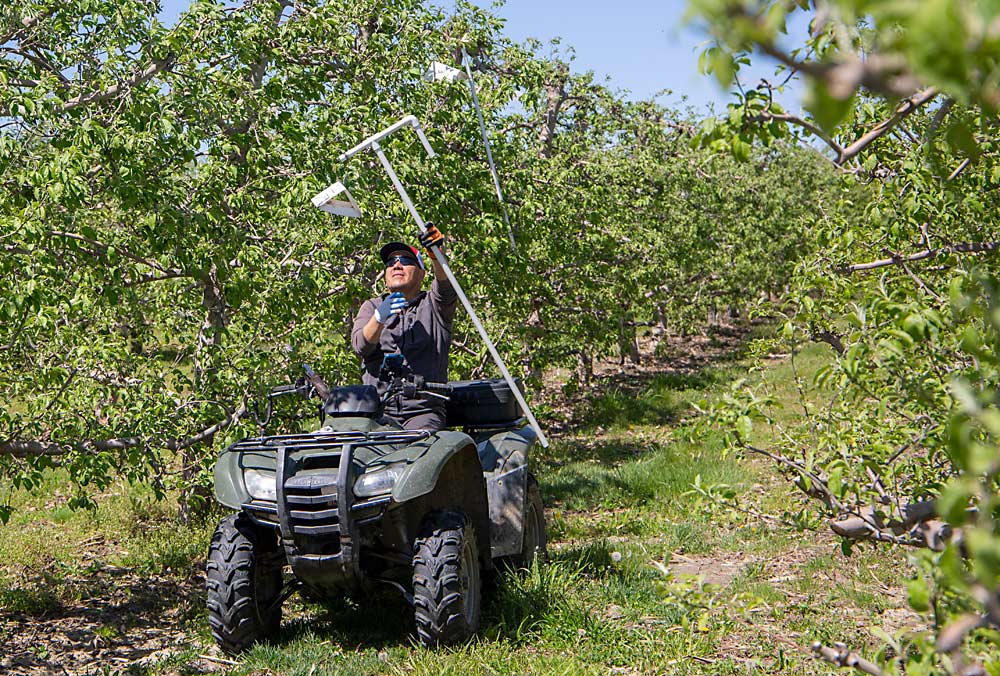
x: 584, y: 485
x: 659, y: 390
x: 375, y: 622
x: 56, y: 620
x: 593, y: 560
x: 648, y: 399
x: 606, y: 452
x: 616, y: 472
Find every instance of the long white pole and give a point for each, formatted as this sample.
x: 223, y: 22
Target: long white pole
x: 443, y: 260
x: 489, y: 152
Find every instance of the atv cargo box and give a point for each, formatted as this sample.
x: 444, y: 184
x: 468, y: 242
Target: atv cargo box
x: 482, y: 403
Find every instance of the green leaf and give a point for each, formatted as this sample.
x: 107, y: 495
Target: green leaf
x: 828, y: 110
x: 960, y: 137
x: 918, y: 595
x: 953, y: 503
x: 938, y: 45
x: 984, y: 551
x: 835, y: 481
x: 744, y: 427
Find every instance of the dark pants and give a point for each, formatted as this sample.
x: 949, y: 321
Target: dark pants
x: 432, y: 421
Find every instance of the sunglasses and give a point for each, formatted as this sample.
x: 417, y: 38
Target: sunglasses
x: 402, y: 260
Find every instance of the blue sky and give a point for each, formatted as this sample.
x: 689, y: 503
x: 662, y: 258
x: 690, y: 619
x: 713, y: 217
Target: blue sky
x: 642, y: 46
x: 639, y: 45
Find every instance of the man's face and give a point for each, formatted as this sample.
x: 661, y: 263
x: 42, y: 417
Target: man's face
x: 403, y: 274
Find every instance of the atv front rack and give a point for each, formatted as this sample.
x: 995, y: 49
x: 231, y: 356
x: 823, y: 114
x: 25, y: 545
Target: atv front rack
x: 315, y: 500
x: 321, y: 440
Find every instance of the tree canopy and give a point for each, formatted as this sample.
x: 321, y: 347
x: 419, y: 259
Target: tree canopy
x: 162, y: 265
x: 902, y: 97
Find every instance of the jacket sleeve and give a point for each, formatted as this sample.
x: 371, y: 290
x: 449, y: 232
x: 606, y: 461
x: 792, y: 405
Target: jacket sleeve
x: 445, y: 299
x: 362, y: 347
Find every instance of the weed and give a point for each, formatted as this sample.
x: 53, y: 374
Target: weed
x: 31, y: 601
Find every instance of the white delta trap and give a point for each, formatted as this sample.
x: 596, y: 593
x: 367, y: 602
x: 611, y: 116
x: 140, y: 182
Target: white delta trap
x: 336, y: 199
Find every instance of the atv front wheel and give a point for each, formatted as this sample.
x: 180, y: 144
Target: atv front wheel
x: 244, y: 583
x: 447, y: 586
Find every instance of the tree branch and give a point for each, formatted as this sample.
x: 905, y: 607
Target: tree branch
x: 127, y: 254
x: 114, y: 91
x: 818, y: 489
x: 842, y: 657
x: 38, y: 61
x: 914, y: 524
x: 153, y: 277
x: 906, y: 107
x: 962, y: 247
x: 808, y: 126
x: 20, y: 448
x: 27, y: 24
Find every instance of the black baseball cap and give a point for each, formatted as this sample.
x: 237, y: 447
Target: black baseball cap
x: 391, y: 248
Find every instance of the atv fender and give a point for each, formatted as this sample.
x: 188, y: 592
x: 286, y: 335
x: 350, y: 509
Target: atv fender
x: 424, y: 471
x: 504, y: 457
x: 448, y: 475
x: 229, y: 487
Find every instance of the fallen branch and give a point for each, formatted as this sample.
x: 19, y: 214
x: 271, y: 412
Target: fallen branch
x: 949, y: 642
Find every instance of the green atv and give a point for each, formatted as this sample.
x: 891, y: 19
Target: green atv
x: 361, y: 503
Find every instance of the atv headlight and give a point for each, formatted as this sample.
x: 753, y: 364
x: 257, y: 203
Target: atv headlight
x: 260, y: 485
x: 378, y: 481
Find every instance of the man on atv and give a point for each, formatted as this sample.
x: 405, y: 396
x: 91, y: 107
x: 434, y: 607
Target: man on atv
x: 416, y: 324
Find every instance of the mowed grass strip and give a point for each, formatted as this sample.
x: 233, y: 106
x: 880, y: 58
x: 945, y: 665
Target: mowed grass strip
x: 645, y: 575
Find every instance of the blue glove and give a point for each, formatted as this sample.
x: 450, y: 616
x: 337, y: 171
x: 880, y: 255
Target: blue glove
x: 392, y: 304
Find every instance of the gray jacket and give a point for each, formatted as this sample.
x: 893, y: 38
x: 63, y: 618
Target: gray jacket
x: 421, y: 333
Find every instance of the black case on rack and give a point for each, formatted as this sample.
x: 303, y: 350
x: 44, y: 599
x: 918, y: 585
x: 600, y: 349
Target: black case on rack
x: 475, y: 403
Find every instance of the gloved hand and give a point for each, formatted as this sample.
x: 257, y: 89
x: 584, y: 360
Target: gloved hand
x: 392, y: 304
x: 431, y: 237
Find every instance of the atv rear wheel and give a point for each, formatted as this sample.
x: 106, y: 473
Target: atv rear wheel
x: 244, y: 583
x: 447, y: 586
x: 535, y: 538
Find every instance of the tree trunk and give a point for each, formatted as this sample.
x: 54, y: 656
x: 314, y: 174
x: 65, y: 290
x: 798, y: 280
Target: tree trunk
x: 194, y: 499
x: 628, y: 343
x: 585, y: 367
x: 555, y: 96
x: 535, y: 334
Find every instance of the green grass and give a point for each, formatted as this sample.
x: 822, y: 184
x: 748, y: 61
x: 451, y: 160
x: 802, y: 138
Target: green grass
x: 645, y: 575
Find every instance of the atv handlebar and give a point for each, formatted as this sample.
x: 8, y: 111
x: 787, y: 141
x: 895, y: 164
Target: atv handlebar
x: 443, y: 388
x: 412, y: 385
